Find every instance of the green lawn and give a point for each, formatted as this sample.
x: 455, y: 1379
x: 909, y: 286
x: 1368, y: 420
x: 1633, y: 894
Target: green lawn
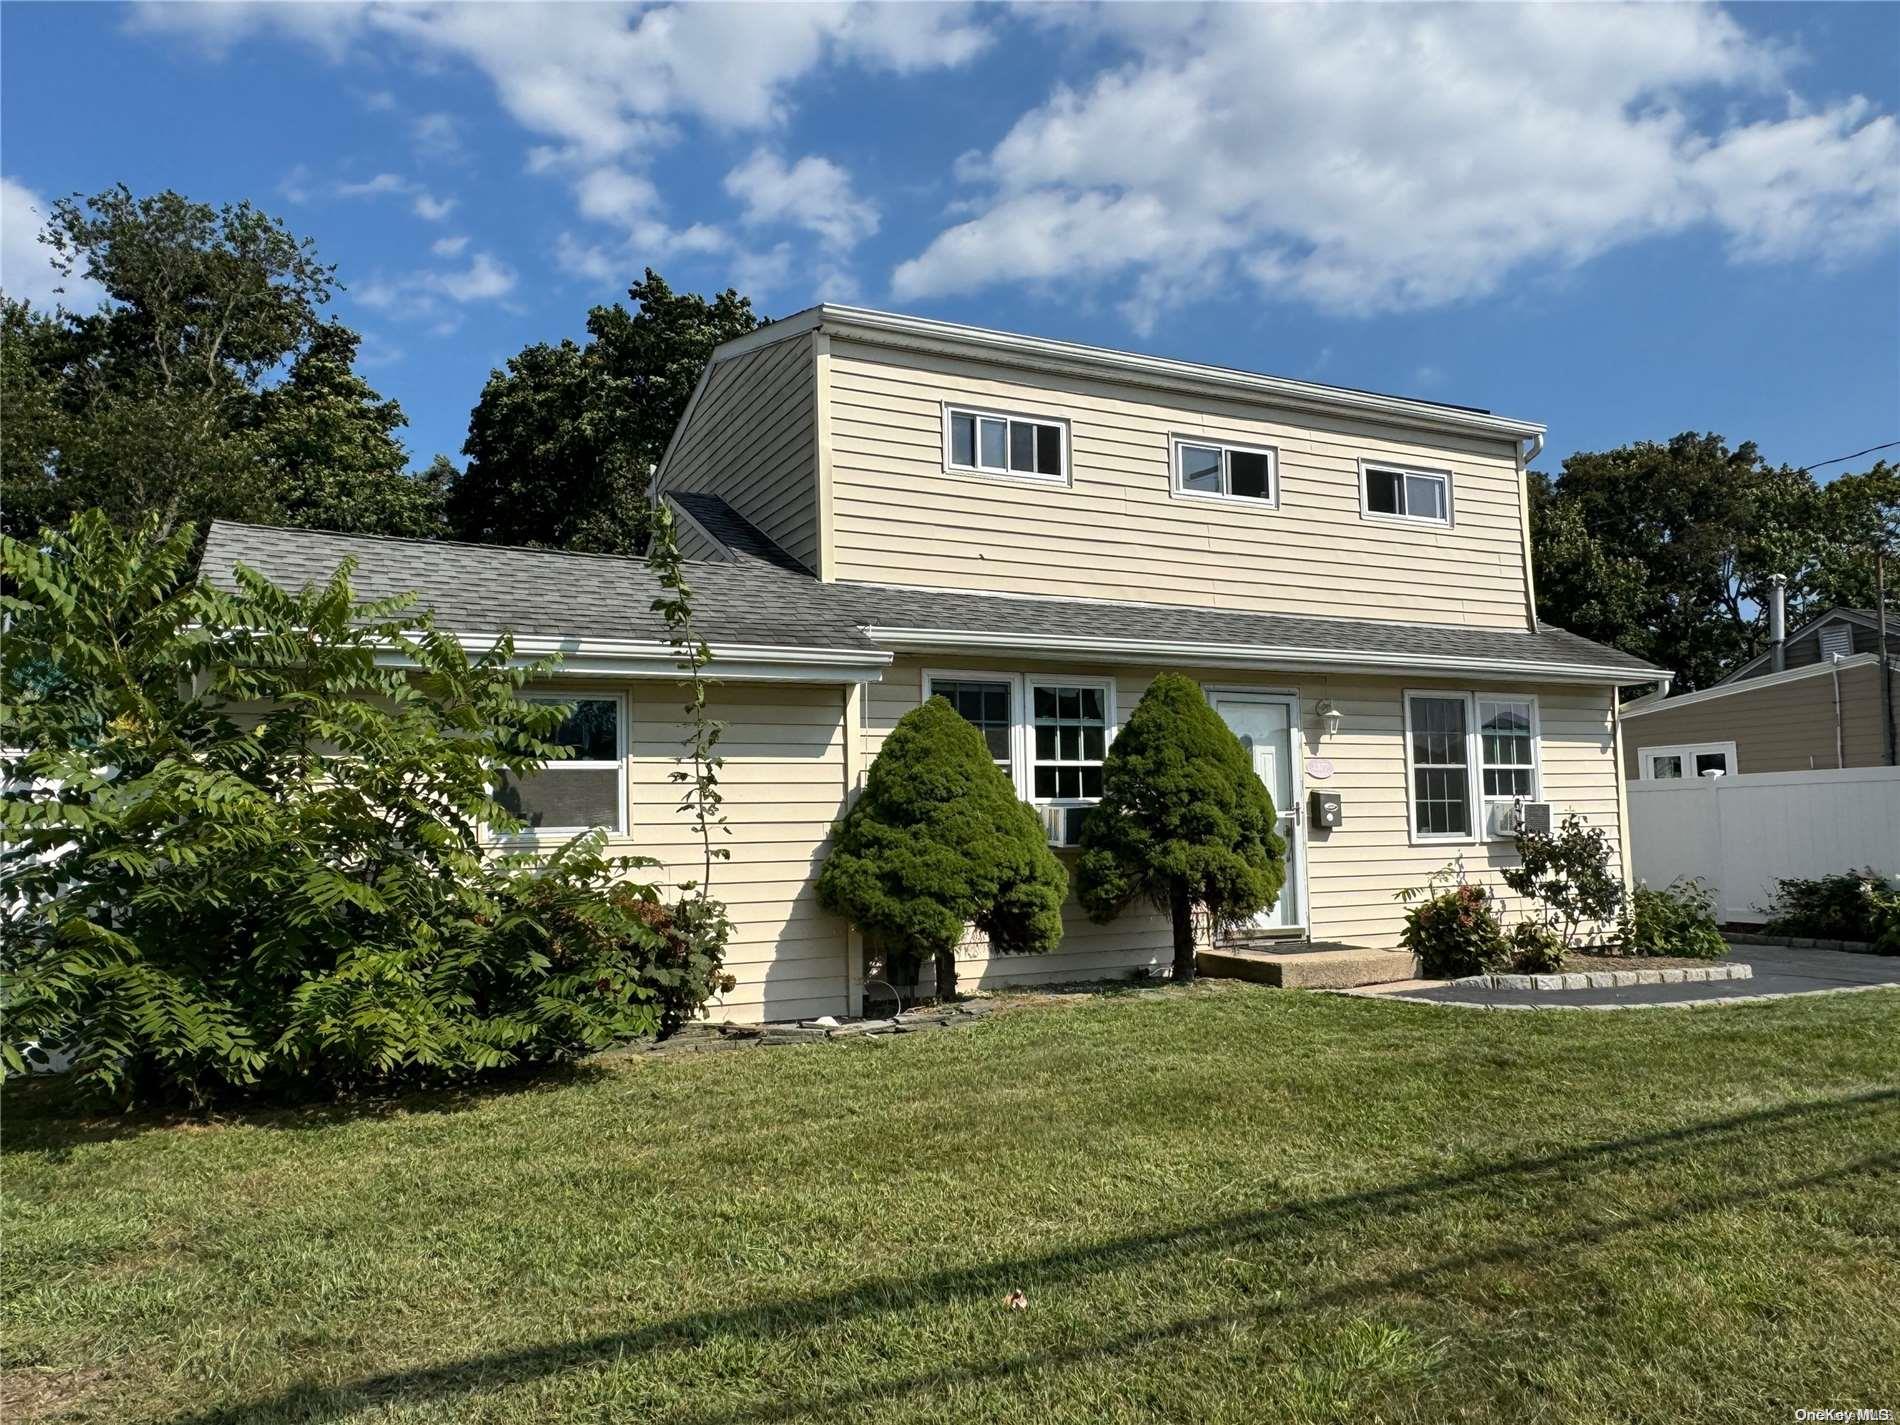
x: 1224, y: 1204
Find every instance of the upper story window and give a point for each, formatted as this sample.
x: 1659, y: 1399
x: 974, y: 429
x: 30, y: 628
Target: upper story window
x: 1218, y: 470
x: 1394, y: 492
x: 586, y: 790
x: 997, y: 443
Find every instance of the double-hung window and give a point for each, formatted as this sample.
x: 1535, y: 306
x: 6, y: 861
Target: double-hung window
x: 997, y: 443
x: 1466, y: 756
x: 588, y: 788
x: 1393, y: 492
x: 1217, y: 470
x: 1069, y: 723
x: 1049, y: 735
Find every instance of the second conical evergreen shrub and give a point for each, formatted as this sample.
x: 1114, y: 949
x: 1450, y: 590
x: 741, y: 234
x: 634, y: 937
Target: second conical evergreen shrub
x: 938, y: 842
x: 1183, y: 822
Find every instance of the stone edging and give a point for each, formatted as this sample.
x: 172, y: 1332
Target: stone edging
x: 1558, y: 1006
x: 1607, y: 979
x: 1798, y: 942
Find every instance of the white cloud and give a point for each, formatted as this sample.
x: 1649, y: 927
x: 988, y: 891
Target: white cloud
x: 373, y: 187
x: 430, y: 208
x: 606, y: 85
x: 422, y: 294
x: 813, y: 193
x: 449, y: 246
x: 437, y: 135
x: 26, y: 264
x: 1367, y: 158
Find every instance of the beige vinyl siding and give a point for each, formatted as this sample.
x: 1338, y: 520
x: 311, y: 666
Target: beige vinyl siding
x: 1779, y: 727
x: 750, y: 439
x: 784, y: 781
x: 1356, y: 871
x: 1116, y: 531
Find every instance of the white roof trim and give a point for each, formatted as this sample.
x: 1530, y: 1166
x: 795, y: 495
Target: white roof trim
x: 1045, y: 353
x: 1766, y: 680
x: 1838, y: 613
x: 731, y: 662
x: 1230, y: 655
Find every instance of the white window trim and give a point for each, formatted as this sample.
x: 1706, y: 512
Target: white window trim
x: 535, y: 835
x: 1646, y: 760
x: 1474, y: 763
x: 1022, y: 743
x: 1017, y: 777
x: 983, y: 472
x: 1537, y: 754
x: 1366, y: 512
x: 1226, y: 448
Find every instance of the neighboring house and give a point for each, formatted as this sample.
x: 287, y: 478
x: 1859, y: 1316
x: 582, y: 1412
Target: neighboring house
x: 889, y: 507
x: 1814, y: 701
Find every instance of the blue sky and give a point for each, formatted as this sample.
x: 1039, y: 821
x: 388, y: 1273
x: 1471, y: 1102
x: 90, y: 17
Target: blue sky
x: 1624, y: 222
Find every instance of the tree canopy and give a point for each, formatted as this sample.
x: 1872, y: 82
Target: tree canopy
x: 208, y: 384
x: 561, y: 443
x: 1183, y: 823
x: 1666, y: 549
x: 939, y: 841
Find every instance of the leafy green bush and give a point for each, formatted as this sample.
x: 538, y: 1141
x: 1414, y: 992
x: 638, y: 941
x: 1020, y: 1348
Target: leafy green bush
x: 1535, y: 948
x: 1183, y: 822
x: 1568, y: 872
x: 244, y: 852
x: 1679, y: 919
x: 1455, y: 929
x: 1845, y: 906
x: 939, y: 841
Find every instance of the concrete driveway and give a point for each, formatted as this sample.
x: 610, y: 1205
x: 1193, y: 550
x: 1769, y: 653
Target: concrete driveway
x: 1778, y: 971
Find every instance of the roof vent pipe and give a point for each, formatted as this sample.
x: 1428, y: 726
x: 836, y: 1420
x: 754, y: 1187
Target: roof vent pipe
x: 1778, y: 622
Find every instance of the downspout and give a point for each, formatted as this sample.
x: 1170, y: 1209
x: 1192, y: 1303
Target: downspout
x: 1886, y: 663
x: 1840, y: 740
x: 1778, y: 623
x: 1524, y: 506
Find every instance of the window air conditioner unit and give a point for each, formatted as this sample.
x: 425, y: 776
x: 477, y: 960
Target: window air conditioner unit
x: 1509, y: 818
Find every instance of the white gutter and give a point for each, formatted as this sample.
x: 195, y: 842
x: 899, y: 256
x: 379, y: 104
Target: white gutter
x: 612, y: 658
x: 1228, y: 655
x: 1663, y: 703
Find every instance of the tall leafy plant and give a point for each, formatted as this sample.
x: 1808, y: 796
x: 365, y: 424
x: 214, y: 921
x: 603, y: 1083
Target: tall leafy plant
x: 246, y: 850
x: 1569, y: 874
x: 1183, y: 823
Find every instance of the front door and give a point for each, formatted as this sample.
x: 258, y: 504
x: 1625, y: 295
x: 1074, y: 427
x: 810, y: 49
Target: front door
x: 1267, y: 725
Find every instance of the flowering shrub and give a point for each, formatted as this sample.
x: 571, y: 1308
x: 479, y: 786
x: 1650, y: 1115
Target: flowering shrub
x: 1455, y: 929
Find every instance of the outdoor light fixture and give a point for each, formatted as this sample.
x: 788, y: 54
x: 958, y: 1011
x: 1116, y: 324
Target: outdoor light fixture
x: 1330, y: 717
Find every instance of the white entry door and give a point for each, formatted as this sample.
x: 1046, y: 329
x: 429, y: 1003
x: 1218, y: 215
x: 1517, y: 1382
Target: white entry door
x: 1268, y: 726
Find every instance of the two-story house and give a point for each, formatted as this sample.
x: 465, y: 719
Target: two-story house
x: 887, y: 508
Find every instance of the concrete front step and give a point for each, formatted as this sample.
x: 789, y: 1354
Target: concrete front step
x: 1344, y: 968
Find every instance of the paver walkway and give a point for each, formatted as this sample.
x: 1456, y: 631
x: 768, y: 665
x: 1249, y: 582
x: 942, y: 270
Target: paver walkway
x: 1778, y: 971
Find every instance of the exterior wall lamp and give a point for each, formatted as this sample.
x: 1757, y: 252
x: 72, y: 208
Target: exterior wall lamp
x: 1330, y: 717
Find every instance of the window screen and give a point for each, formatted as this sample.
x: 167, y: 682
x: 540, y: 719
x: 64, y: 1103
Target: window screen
x: 580, y: 791
x: 1408, y: 494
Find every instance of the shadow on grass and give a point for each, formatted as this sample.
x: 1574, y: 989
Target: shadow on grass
x: 891, y: 1295
x: 49, y: 1117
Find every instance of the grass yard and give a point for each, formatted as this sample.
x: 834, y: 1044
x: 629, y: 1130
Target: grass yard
x: 1225, y: 1204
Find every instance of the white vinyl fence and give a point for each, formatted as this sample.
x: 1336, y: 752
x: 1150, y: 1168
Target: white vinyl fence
x: 1742, y: 834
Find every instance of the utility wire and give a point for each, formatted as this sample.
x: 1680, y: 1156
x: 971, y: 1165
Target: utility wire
x: 1816, y: 465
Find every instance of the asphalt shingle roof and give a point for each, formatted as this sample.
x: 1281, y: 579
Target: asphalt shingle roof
x: 480, y: 588
x: 751, y: 600
x: 743, y: 538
